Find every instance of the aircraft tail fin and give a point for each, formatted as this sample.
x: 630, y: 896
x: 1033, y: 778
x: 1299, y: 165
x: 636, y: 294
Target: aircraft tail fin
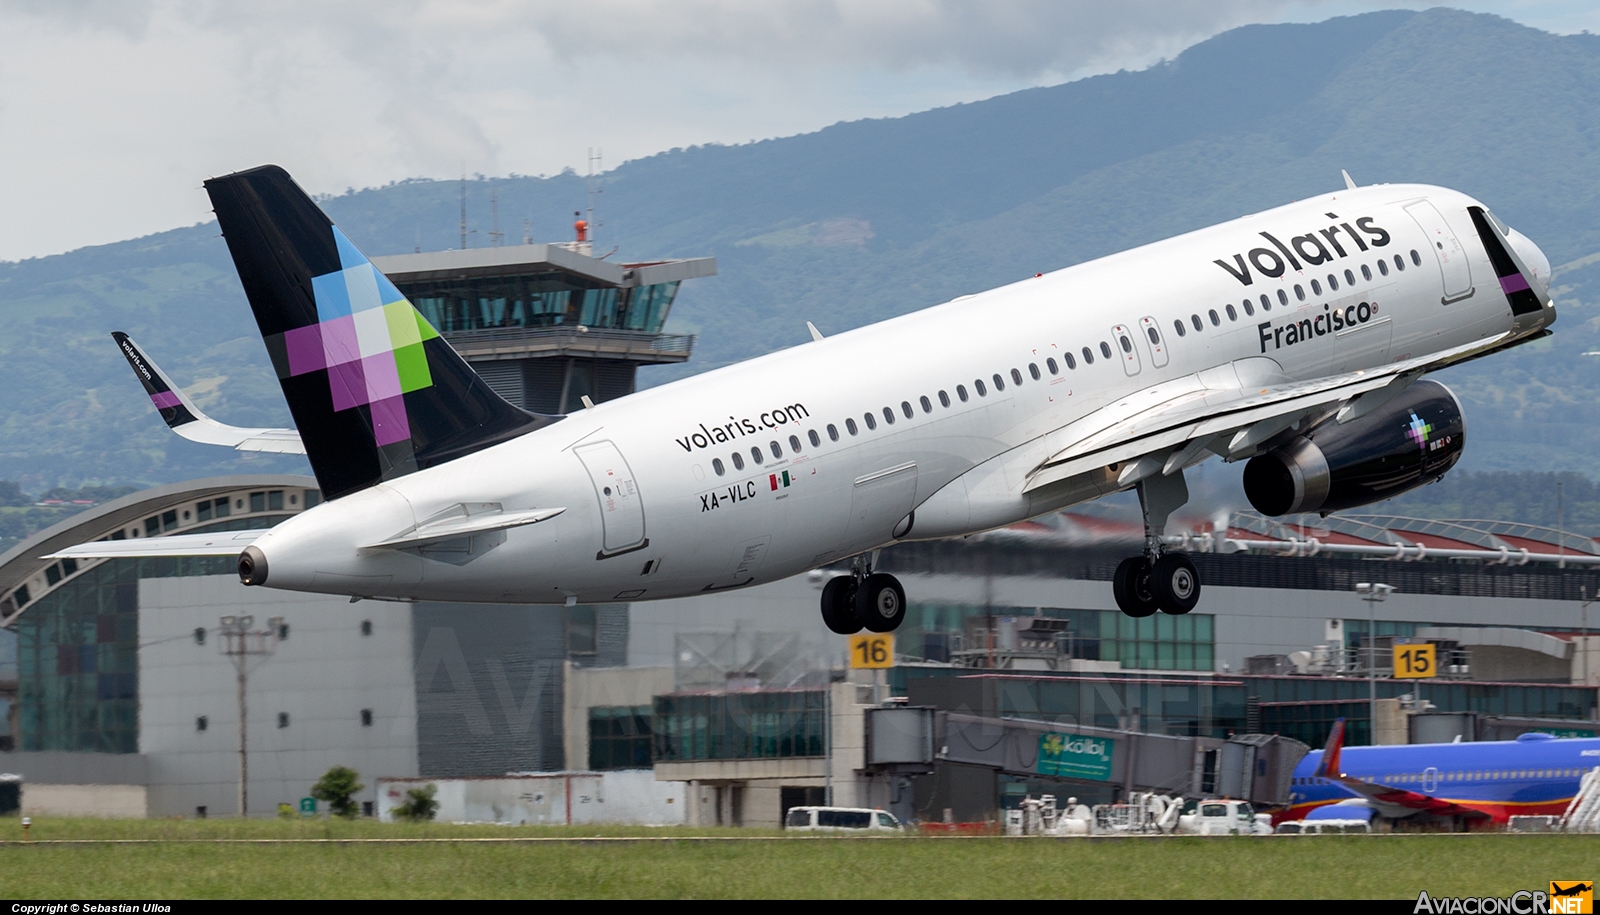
x: 375, y: 392
x: 1329, y: 767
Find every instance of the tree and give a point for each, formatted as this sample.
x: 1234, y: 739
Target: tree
x: 336, y: 787
x: 419, y: 804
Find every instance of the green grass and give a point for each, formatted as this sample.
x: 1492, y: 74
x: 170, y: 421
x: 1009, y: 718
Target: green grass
x: 183, y: 863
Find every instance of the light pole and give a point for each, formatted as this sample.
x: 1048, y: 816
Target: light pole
x: 240, y: 642
x: 1372, y: 594
x: 1583, y: 609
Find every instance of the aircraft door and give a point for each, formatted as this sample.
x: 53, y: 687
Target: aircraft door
x: 1447, y: 251
x: 1154, y: 341
x: 1122, y: 341
x: 621, y: 509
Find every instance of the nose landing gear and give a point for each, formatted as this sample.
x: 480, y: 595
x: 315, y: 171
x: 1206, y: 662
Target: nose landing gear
x: 864, y: 599
x: 1157, y: 580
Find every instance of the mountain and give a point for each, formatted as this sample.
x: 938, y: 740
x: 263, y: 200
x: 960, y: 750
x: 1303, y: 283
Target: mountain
x: 869, y: 219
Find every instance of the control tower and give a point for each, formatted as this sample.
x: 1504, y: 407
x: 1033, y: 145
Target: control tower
x: 549, y: 324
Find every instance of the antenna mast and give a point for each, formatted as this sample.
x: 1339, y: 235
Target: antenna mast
x: 596, y: 166
x: 463, y: 208
x: 494, y: 218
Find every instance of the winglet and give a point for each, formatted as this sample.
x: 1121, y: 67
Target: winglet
x: 1349, y: 182
x: 816, y: 335
x: 174, y: 406
x: 1329, y: 767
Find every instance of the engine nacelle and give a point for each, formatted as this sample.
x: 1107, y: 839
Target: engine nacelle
x: 1411, y: 440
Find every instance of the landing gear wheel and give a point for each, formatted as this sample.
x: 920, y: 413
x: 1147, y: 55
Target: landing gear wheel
x: 838, y: 612
x: 1175, y: 583
x: 1130, y: 584
x: 880, y: 602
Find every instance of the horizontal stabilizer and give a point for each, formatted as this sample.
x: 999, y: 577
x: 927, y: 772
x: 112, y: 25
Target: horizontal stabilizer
x: 186, y: 419
x: 222, y: 543
x: 464, y: 521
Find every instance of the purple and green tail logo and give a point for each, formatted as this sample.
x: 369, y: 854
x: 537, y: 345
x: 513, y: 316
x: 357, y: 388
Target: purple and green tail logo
x: 1418, y: 431
x: 368, y: 339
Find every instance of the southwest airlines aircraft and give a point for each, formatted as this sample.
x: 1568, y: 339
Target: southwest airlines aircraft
x: 1532, y: 775
x: 1293, y: 339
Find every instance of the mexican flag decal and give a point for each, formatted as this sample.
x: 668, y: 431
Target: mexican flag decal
x: 778, y: 480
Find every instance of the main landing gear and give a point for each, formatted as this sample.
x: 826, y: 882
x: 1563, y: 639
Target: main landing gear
x: 1157, y: 580
x: 864, y: 599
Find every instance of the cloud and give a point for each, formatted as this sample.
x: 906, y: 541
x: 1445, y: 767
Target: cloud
x: 112, y: 111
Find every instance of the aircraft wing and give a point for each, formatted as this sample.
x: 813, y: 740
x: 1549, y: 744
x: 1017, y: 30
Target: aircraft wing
x: 1386, y: 795
x: 186, y: 419
x: 222, y: 543
x: 1172, y: 425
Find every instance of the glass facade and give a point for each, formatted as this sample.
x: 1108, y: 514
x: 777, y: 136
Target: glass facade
x: 932, y: 631
x: 759, y: 724
x: 77, y: 656
x: 619, y: 737
x: 539, y: 300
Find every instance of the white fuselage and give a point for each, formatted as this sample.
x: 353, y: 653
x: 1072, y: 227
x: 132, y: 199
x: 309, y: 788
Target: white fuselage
x: 648, y: 514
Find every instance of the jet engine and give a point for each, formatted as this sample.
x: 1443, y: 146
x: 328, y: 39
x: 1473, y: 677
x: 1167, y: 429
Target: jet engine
x: 1411, y: 440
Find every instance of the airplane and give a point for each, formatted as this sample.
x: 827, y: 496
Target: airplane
x: 1536, y: 774
x: 1292, y: 339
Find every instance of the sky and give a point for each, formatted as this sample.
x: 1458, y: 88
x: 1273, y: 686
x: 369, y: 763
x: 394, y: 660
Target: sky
x: 112, y: 112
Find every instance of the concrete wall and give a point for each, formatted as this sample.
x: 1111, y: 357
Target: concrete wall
x: 592, y: 687
x: 321, y: 676
x: 629, y: 796
x: 109, y: 801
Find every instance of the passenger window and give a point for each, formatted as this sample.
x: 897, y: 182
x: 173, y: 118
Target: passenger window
x: 833, y: 432
x: 1178, y: 326
x: 755, y: 453
x: 1055, y: 369
x: 816, y: 440
x: 1248, y: 308
x: 1215, y: 321
x: 1195, y: 320
x: 1071, y: 363
x: 1383, y: 267
x: 738, y: 461
x: 794, y: 443
x: 927, y: 405
x: 1088, y: 357
x: 944, y: 399
x: 776, y: 451
x: 872, y: 421
x: 1399, y: 263
x: 1016, y: 377
x: 1283, y: 297
x: 999, y: 383
x: 977, y: 385
x: 961, y: 392
x: 1232, y: 315
x: 1349, y: 278
x: 1333, y: 283
x: 888, y: 416
x: 1127, y: 345
x: 1366, y: 272
x: 1033, y: 369
x: 1105, y: 349
x: 905, y: 406
x: 716, y: 465
x: 1299, y: 292
x: 850, y: 426
x: 1417, y: 258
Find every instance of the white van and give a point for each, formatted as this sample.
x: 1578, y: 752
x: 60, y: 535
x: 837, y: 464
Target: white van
x: 840, y: 819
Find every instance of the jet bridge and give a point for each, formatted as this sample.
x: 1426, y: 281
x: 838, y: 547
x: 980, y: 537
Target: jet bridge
x: 908, y: 740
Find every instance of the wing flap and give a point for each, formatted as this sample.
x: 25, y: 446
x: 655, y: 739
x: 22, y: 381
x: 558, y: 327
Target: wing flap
x: 222, y: 543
